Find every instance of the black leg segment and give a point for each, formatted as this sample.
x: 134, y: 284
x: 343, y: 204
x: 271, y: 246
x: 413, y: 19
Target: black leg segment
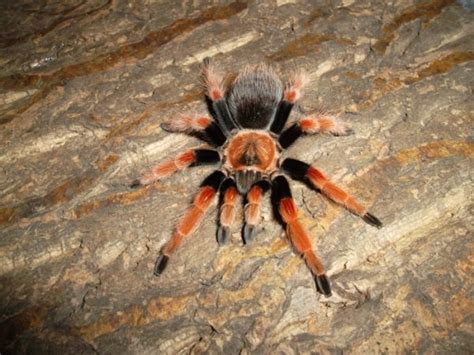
x: 223, y: 115
x: 206, y: 156
x: 214, y: 180
x: 290, y: 135
x: 323, y: 285
x: 212, y: 134
x: 160, y: 264
x: 296, y: 168
x: 372, y: 220
x: 281, y: 116
x: 215, y: 135
x: 280, y: 188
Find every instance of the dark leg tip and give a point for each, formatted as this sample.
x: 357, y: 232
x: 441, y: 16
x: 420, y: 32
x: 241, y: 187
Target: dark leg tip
x: 223, y: 234
x: 347, y: 132
x: 160, y: 264
x: 372, y: 220
x: 165, y: 127
x: 322, y: 285
x: 135, y: 184
x: 249, y: 233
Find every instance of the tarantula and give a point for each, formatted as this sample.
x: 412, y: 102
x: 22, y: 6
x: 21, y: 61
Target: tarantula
x: 247, y: 131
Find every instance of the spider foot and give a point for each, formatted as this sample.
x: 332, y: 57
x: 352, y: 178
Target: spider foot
x: 223, y: 234
x: 166, y: 126
x: 347, y: 131
x: 160, y: 264
x: 372, y: 220
x: 322, y: 285
x: 135, y: 184
x: 249, y: 233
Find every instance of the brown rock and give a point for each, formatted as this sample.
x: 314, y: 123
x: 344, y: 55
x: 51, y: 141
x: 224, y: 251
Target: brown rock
x: 84, y: 88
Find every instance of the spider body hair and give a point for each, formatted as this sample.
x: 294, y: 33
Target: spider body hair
x: 246, y: 132
x: 254, y: 97
x: 250, y: 155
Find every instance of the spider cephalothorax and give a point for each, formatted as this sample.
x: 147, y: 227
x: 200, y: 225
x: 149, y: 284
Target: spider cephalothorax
x: 247, y: 133
x: 250, y: 156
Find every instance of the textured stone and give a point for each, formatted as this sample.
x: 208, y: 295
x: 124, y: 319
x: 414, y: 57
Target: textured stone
x: 84, y: 88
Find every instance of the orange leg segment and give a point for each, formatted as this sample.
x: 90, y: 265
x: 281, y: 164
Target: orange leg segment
x: 182, y: 161
x: 214, y: 82
x: 185, y: 123
x: 335, y: 193
x: 191, y: 219
x: 324, y: 123
x: 168, y: 167
x: 293, y: 91
x: 252, y: 211
x: 201, y: 127
x: 229, y: 196
x: 296, y: 233
x: 302, y: 171
x: 319, y: 123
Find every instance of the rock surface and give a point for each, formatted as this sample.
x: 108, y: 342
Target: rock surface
x: 84, y: 87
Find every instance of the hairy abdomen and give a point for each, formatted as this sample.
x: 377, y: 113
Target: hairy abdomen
x: 254, y: 97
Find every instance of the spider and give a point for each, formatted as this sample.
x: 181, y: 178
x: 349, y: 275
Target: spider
x: 246, y: 129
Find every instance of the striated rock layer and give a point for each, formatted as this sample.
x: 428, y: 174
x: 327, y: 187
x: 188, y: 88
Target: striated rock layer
x: 84, y: 87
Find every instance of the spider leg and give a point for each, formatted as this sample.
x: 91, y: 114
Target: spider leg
x: 229, y: 195
x: 306, y: 173
x: 252, y: 210
x: 191, y: 157
x: 192, y: 218
x: 292, y: 93
x: 287, y: 210
x: 200, y: 126
x: 321, y: 123
x: 215, y: 92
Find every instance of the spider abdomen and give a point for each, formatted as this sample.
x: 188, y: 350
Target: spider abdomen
x: 254, y: 97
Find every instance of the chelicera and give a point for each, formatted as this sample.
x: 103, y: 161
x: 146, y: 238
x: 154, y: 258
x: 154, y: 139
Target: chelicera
x: 246, y: 135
